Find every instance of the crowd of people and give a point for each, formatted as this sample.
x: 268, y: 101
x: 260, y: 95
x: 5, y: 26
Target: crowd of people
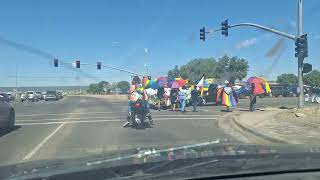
x: 187, y: 95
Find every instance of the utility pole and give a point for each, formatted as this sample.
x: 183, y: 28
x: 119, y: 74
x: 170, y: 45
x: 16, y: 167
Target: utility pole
x: 300, y: 59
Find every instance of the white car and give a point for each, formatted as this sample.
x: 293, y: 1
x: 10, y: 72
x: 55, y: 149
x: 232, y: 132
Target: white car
x: 31, y: 96
x: 23, y: 97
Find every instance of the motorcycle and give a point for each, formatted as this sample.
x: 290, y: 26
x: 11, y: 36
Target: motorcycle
x: 139, y: 114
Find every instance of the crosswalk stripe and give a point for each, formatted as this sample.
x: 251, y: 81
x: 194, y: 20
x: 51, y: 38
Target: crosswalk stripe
x: 122, y: 117
x: 109, y: 120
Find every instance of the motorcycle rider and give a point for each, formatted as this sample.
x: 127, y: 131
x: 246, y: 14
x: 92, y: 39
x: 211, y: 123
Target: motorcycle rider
x: 133, y: 96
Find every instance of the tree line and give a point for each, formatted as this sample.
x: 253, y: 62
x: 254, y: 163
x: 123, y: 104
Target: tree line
x: 224, y: 68
x: 105, y: 87
x: 310, y: 79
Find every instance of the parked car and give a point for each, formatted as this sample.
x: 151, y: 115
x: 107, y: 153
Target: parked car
x: 242, y: 92
x: 44, y: 94
x: 23, y: 97
x: 280, y: 90
x: 31, y: 96
x: 7, y: 114
x: 39, y: 95
x: 51, y: 96
x: 59, y: 95
x: 208, y: 96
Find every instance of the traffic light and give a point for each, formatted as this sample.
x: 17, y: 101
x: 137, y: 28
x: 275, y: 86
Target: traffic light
x: 301, y: 46
x: 224, y: 28
x: 203, y: 34
x: 55, y: 62
x: 99, y: 65
x: 307, y: 68
x: 149, y: 77
x: 77, y: 64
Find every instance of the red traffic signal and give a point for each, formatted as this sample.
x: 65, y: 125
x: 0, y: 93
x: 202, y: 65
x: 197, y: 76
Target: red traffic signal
x: 77, y: 64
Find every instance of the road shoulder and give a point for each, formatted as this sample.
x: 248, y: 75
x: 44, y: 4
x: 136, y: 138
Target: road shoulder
x: 272, y: 126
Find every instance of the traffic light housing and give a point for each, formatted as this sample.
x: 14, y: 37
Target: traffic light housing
x: 56, y: 62
x: 149, y: 77
x: 99, y: 65
x: 307, y: 68
x: 224, y: 28
x: 301, y: 46
x: 203, y: 33
x: 77, y: 64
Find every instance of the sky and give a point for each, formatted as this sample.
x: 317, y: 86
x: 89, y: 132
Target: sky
x: 117, y: 33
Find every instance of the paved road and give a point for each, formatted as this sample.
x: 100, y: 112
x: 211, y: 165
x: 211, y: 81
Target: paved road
x: 82, y: 126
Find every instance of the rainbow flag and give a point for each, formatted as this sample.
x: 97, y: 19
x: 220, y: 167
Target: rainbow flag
x: 228, y: 98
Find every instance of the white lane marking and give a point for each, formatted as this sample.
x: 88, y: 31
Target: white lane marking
x: 115, y: 117
x: 36, y: 149
x: 57, y: 114
x: 109, y: 120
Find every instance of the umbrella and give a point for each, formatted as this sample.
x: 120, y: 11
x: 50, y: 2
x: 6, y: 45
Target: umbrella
x: 261, y: 85
x: 175, y: 85
x: 162, y: 81
x: 181, y: 81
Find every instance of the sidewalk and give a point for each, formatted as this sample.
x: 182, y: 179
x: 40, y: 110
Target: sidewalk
x: 279, y: 125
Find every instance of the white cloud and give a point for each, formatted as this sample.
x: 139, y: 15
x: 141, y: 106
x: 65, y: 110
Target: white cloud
x: 247, y: 43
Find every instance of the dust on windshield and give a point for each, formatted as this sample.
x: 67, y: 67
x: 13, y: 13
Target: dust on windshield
x: 110, y: 77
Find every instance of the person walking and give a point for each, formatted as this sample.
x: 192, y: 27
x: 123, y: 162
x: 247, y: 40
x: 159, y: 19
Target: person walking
x: 253, y: 98
x: 182, y: 98
x: 174, y: 99
x: 160, y: 94
x: 194, y: 98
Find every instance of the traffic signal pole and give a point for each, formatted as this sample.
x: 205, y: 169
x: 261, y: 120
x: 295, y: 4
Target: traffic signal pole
x: 300, y: 59
x: 295, y: 38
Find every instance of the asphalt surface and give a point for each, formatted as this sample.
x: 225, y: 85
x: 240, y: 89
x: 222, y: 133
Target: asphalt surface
x: 82, y: 126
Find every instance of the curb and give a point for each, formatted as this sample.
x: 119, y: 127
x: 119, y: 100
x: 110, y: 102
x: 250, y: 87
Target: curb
x: 274, y: 140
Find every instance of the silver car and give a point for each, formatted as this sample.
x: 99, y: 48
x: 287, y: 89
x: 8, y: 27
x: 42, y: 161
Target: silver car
x: 7, y: 113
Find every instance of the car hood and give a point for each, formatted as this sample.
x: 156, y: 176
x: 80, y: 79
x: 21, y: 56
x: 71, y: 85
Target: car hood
x: 150, y: 158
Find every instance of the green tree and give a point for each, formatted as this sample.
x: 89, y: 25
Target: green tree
x: 174, y: 73
x: 289, y: 79
x: 226, y: 68
x: 196, y: 68
x: 231, y: 68
x: 123, y: 86
x: 101, y: 87
x: 312, y: 78
x: 93, y: 88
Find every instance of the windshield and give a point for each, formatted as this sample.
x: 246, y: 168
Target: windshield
x: 96, y: 79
